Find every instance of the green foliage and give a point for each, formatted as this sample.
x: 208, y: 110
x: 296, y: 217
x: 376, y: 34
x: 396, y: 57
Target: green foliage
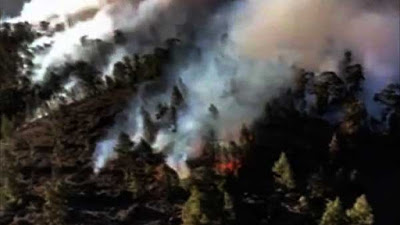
x: 283, y: 173
x: 361, y: 213
x: 333, y: 214
x: 191, y: 212
x: 203, y: 207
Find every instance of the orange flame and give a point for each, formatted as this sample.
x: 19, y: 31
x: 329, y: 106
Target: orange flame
x: 229, y: 167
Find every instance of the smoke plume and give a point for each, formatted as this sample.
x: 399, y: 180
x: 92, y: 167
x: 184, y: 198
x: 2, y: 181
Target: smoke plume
x: 247, y: 49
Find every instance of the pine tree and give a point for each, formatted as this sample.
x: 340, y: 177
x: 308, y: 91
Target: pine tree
x: 361, y: 213
x: 124, y: 144
x: 177, y: 98
x: 134, y: 185
x: 229, y: 207
x: 10, y: 188
x: 203, y: 207
x: 214, y: 111
x: 283, y: 173
x: 191, y: 212
x: 149, y: 128
x: 354, y: 118
x: 316, y: 185
x: 390, y: 99
x: 322, y: 95
x: 303, y: 204
x: 333, y: 214
x: 334, y: 145
x: 246, y: 137
x: 7, y: 127
x: 110, y: 83
x: 119, y: 73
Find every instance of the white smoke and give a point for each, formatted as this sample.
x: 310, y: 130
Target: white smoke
x: 44, y: 10
x: 92, y: 19
x: 247, y: 50
x: 236, y: 85
x: 314, y: 34
x: 241, y: 73
x: 66, y: 46
x: 104, y: 152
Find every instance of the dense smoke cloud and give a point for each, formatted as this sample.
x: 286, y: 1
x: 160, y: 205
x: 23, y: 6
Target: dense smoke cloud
x: 313, y: 34
x: 235, y: 85
x: 246, y: 51
x: 309, y: 32
x: 44, y: 10
x: 108, y: 17
x: 145, y: 24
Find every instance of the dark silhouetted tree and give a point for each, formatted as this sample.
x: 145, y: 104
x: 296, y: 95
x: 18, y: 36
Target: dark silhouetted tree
x: 177, y: 98
x: 390, y: 98
x: 11, y: 190
x: 322, y: 97
x: 124, y: 144
x: 334, y: 147
x: 7, y: 127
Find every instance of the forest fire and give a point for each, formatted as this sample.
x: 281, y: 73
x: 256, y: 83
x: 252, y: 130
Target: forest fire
x: 206, y: 112
x: 230, y: 167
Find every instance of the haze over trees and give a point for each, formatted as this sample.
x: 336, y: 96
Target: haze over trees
x: 313, y: 157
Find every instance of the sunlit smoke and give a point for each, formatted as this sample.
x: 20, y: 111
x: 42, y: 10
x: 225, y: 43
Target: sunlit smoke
x: 43, y: 10
x: 252, y: 64
x: 92, y: 19
x: 313, y: 34
x: 67, y: 45
x: 247, y: 49
x: 103, y: 153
